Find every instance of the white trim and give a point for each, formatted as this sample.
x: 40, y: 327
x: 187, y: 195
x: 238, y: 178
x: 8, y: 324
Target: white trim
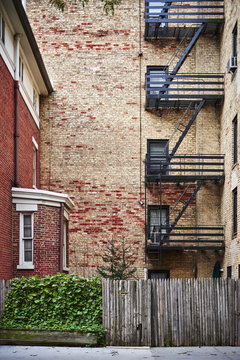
x: 25, y: 267
x: 35, y: 196
x: 29, y: 104
x: 26, y: 207
x: 25, y: 264
x: 6, y: 58
x: 35, y: 143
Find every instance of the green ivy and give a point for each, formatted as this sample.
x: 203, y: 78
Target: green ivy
x: 59, y: 302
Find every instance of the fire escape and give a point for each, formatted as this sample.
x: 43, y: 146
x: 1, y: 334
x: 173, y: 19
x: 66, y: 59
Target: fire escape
x: 167, y: 88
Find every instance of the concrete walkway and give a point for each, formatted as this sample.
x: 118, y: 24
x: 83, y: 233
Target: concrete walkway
x: 118, y: 353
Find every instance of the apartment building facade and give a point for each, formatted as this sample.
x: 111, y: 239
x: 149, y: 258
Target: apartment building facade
x: 32, y: 220
x: 141, y: 131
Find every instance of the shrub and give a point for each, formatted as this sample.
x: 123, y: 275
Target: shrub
x: 59, y: 302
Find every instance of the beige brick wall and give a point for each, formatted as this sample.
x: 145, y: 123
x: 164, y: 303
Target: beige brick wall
x: 230, y: 109
x: 94, y: 130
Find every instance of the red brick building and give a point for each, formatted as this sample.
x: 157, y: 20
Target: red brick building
x: 33, y: 223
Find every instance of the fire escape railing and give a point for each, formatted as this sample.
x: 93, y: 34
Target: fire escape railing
x: 184, y: 167
x: 186, y: 238
x: 179, y: 90
x: 163, y: 18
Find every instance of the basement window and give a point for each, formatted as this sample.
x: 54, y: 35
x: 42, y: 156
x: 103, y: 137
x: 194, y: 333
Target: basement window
x: 26, y: 241
x: 229, y: 272
x: 158, y: 274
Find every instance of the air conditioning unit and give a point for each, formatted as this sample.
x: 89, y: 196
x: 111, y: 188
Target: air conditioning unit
x: 232, y: 64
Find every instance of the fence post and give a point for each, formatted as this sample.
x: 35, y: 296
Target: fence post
x: 4, y: 288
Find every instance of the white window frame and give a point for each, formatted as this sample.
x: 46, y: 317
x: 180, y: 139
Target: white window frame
x: 34, y: 99
x: 35, y: 149
x: 21, y: 69
x: 65, y: 241
x: 22, y: 263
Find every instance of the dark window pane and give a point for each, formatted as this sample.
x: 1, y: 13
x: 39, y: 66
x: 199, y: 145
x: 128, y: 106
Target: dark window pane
x: 27, y: 250
x: 27, y: 226
x: 155, y: 275
x: 229, y: 271
x: 235, y: 145
x: 235, y: 41
x: 235, y: 211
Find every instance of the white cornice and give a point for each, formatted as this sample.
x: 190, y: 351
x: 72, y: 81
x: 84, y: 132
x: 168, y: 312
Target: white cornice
x: 35, y: 196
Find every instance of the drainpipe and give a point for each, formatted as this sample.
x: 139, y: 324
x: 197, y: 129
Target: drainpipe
x: 16, y: 94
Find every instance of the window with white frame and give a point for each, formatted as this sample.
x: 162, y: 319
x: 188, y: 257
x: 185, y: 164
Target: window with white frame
x: 2, y: 29
x: 26, y: 241
x: 21, y: 69
x: 35, y: 148
x: 34, y: 167
x: 65, y: 241
x: 34, y: 99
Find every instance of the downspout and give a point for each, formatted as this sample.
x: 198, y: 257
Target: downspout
x: 16, y: 95
x: 61, y: 239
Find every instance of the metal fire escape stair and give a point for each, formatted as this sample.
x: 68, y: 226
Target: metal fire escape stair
x: 185, y: 206
x: 185, y: 52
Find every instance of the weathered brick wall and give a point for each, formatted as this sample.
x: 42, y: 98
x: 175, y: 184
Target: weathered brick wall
x: 6, y: 170
x: 230, y: 109
x: 27, y: 129
x: 46, y: 246
x: 94, y: 128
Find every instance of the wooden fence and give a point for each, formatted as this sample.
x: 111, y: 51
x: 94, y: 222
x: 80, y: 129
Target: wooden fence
x: 202, y: 312
x: 4, y: 288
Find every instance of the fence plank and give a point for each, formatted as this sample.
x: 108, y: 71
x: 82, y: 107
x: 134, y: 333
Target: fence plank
x: 171, y: 312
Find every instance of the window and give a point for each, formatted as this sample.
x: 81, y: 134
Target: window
x: 34, y: 167
x: 156, y: 9
x: 156, y: 78
x: 2, y: 29
x: 21, y: 69
x: 235, y: 142
x: 34, y: 99
x: 239, y: 271
x: 158, y: 223
x: 229, y: 272
x: 65, y: 238
x: 235, y: 211
x: 26, y: 241
x: 234, y: 37
x: 158, y: 274
x: 35, y: 148
x: 157, y: 156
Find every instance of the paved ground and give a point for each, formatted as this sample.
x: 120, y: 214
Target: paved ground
x: 118, y: 353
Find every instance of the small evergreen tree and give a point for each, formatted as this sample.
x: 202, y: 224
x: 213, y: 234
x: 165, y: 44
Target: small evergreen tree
x: 118, y: 260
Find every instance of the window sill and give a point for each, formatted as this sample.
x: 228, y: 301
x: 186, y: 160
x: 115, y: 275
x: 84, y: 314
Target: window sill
x: 25, y: 267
